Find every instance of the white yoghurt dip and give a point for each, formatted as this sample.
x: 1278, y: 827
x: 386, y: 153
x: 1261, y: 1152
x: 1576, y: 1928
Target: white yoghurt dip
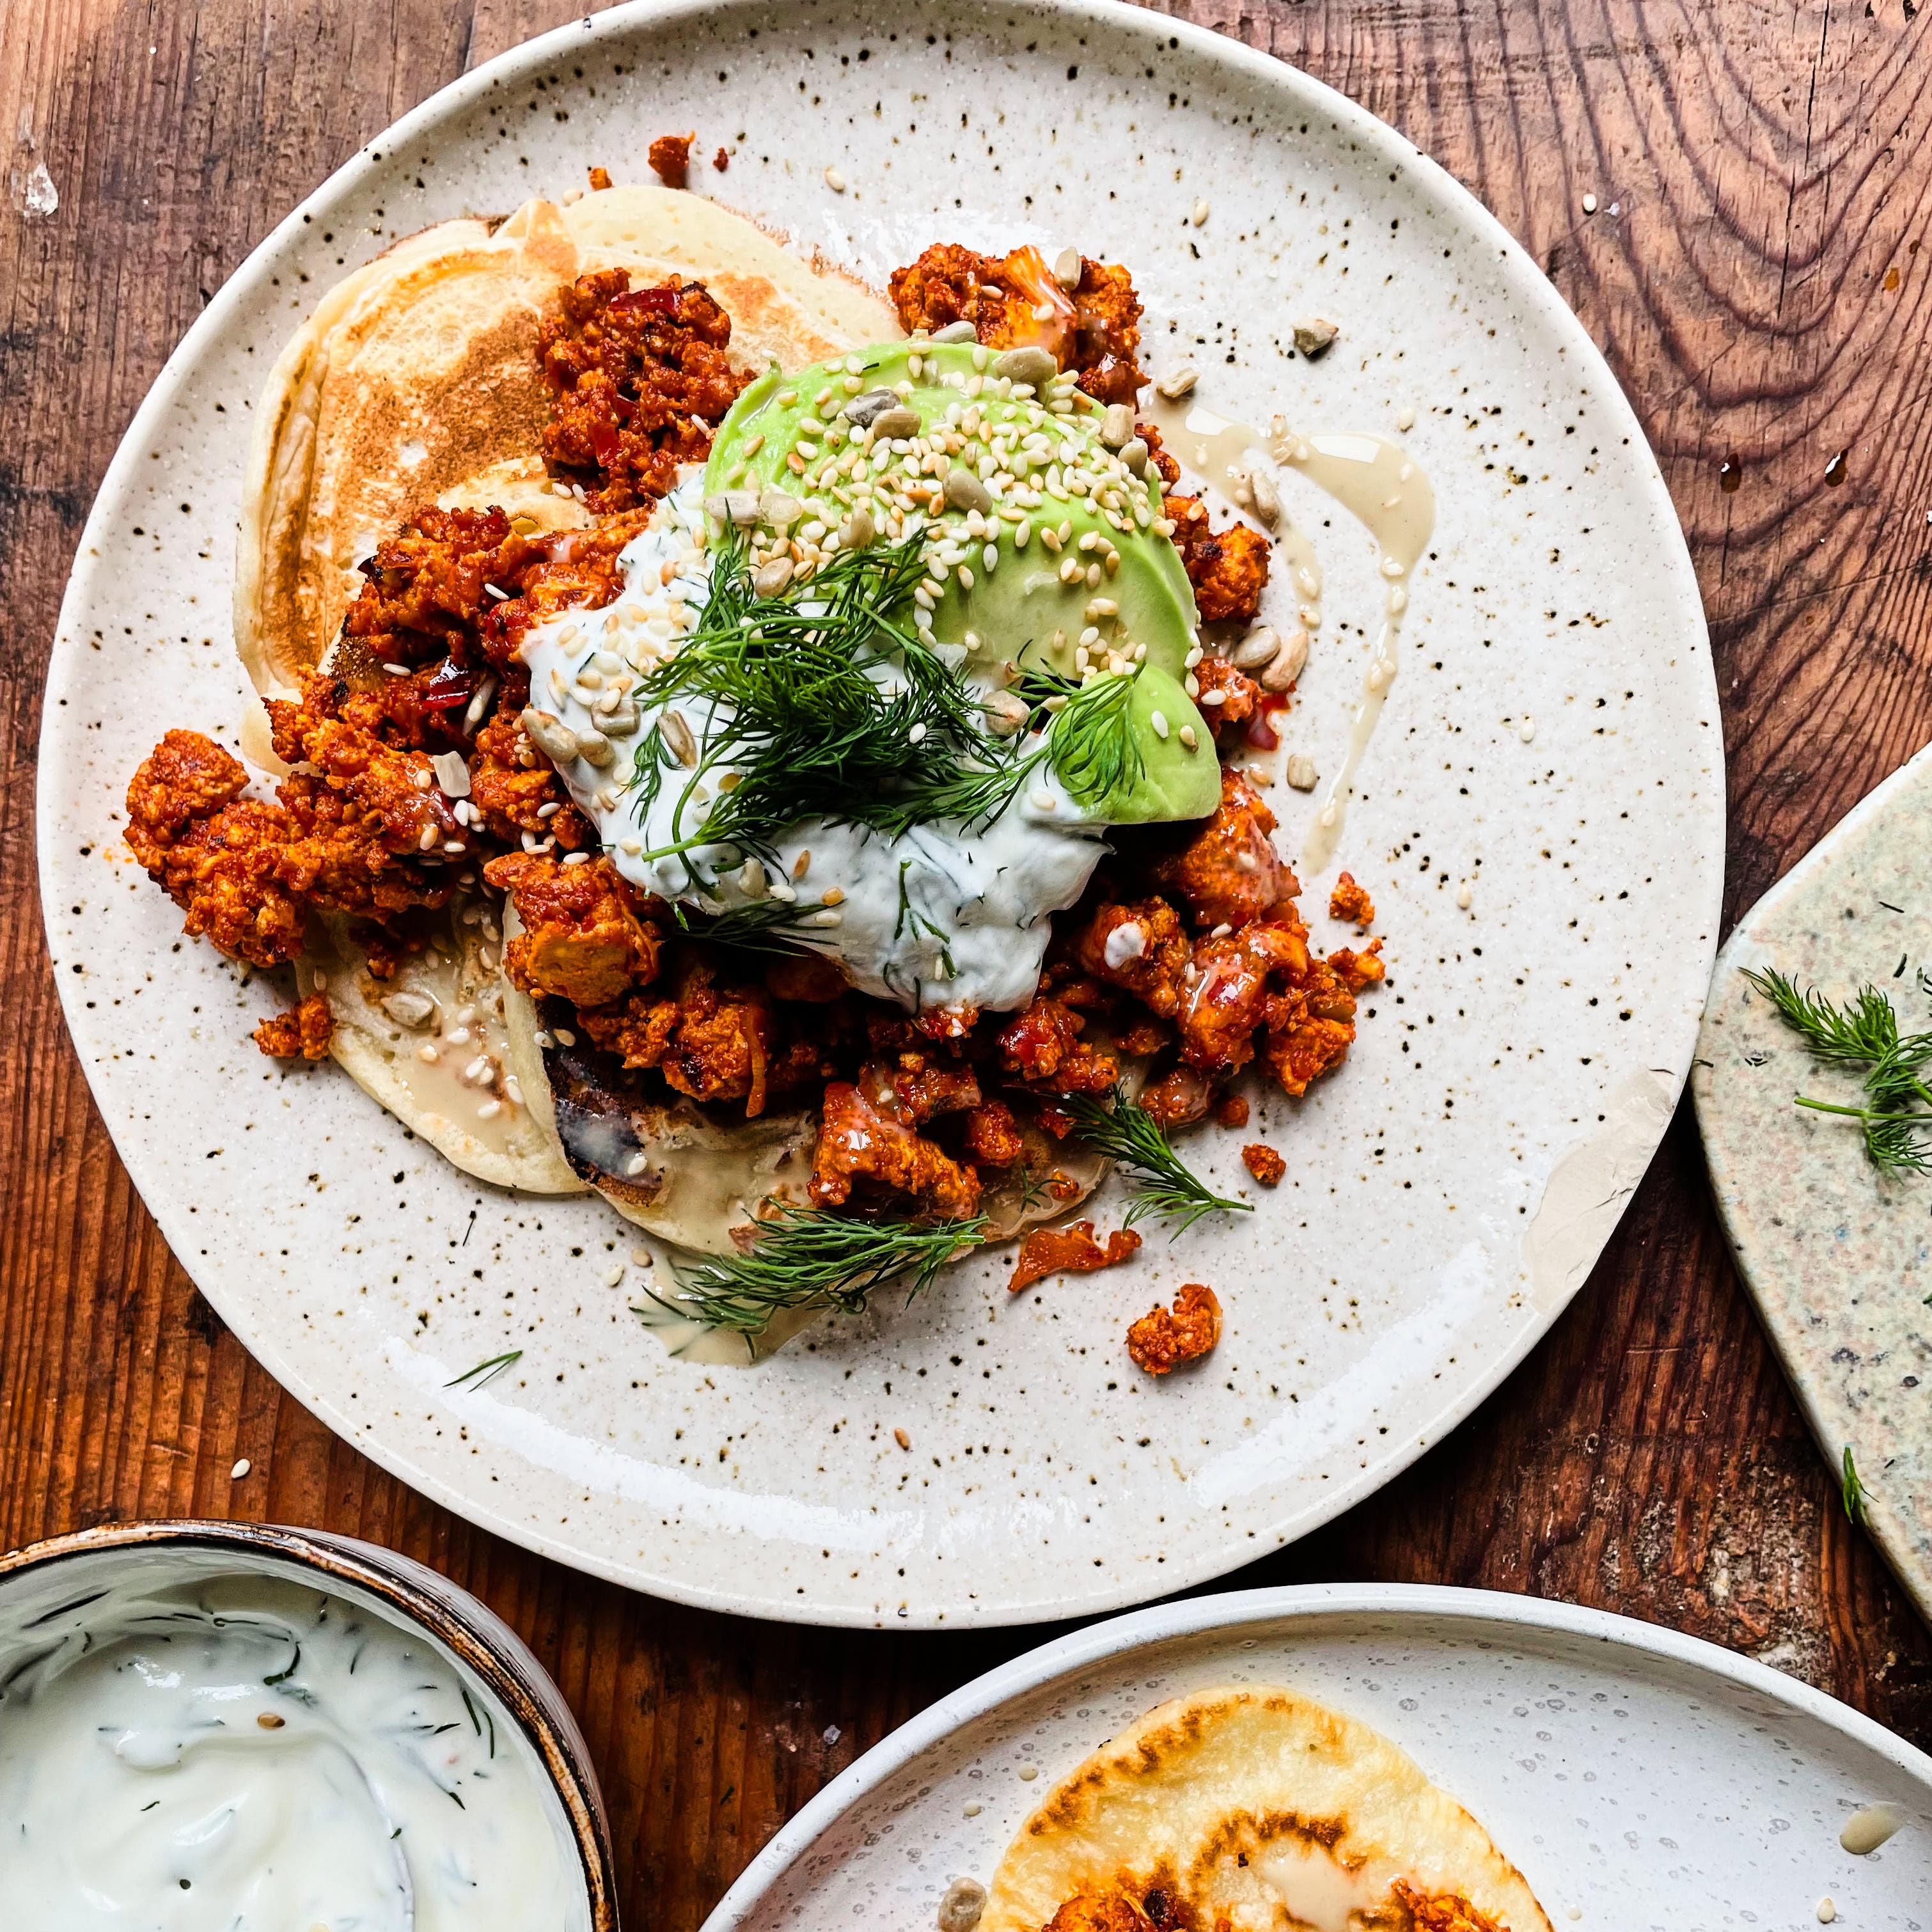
x: 945, y: 915
x: 231, y: 1752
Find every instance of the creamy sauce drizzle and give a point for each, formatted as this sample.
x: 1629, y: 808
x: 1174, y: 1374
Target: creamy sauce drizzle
x: 1316, y: 1889
x: 240, y: 1754
x: 1385, y: 490
x: 440, y: 1020
x: 1866, y: 1830
x: 946, y: 916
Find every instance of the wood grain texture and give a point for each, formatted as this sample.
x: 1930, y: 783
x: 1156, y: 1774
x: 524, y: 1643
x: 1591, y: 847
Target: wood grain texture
x: 1754, y: 273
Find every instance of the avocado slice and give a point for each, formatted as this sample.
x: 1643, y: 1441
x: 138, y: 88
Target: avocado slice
x: 1053, y: 544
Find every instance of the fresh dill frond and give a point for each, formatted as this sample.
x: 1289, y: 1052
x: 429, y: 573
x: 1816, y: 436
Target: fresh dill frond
x: 821, y: 702
x: 801, y: 1259
x: 1164, y: 1187
x: 1852, y: 1490
x: 760, y: 925
x: 1863, y: 1032
x: 485, y: 1371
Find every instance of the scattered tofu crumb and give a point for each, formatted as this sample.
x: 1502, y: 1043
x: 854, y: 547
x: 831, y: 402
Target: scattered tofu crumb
x: 1163, y: 1338
x: 1232, y: 1110
x: 721, y: 160
x: 1264, y: 1163
x: 1351, y: 901
x: 600, y: 179
x: 670, y: 157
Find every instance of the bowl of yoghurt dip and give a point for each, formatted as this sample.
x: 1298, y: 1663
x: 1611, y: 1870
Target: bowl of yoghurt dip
x: 265, y: 1729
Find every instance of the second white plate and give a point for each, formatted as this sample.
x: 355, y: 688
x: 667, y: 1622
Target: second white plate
x: 1641, y: 1780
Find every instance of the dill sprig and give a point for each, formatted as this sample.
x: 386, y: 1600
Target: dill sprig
x: 822, y: 702
x: 1164, y: 1187
x: 1852, y: 1490
x: 1863, y: 1032
x: 485, y: 1371
x: 801, y: 1259
x: 760, y: 925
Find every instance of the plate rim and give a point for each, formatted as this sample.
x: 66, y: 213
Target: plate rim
x: 1253, y: 68
x: 1430, y: 1605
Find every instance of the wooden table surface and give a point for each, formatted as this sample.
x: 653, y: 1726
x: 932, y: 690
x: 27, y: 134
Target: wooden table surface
x: 1754, y: 273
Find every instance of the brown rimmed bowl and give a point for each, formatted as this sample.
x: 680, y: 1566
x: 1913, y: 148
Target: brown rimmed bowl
x: 65, y: 1568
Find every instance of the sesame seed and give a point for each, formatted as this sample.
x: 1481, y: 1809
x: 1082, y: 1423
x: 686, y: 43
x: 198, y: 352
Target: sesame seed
x: 1200, y: 213
x: 1042, y: 801
x: 1158, y: 719
x: 614, y: 1274
x: 576, y: 859
x: 1186, y: 735
x: 835, y: 895
x: 834, y: 181
x: 489, y: 1110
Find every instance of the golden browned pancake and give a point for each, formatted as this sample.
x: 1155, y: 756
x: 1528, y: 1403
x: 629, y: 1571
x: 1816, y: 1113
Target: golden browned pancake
x: 1257, y: 1808
x: 415, y: 380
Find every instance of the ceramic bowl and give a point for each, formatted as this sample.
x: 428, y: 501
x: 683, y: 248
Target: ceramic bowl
x: 46, y: 1578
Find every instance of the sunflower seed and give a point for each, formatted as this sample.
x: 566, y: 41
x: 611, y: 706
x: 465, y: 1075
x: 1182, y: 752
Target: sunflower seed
x: 555, y: 739
x: 1176, y: 382
x: 452, y: 773
x: 1068, y: 269
x: 409, y: 1009
x: 1134, y: 454
x: 1266, y: 501
x: 1301, y: 772
x: 1288, y: 663
x: 779, y: 510
x: 677, y: 734
x: 956, y: 331
x: 899, y: 421
x: 594, y: 748
x: 1255, y: 649
x: 1026, y: 365
x: 769, y: 579
x: 1116, y: 426
x: 965, y: 491
x: 861, y: 409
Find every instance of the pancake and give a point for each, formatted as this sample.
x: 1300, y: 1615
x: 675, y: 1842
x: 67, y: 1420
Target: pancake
x: 416, y: 380
x: 1256, y: 1808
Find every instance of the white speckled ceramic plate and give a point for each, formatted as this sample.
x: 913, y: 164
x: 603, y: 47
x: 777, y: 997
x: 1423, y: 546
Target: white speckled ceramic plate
x: 1552, y: 741
x: 1837, y: 1257
x: 1642, y: 1781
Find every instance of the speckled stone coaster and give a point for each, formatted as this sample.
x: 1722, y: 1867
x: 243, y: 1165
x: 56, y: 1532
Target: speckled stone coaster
x: 1837, y: 1256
